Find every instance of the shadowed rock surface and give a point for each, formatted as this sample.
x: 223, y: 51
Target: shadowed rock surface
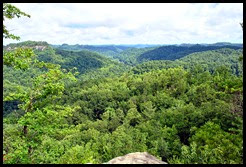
x: 136, y: 158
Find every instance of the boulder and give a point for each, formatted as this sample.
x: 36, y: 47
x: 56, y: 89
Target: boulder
x: 136, y: 158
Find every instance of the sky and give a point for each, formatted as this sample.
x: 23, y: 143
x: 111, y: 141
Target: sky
x: 128, y: 23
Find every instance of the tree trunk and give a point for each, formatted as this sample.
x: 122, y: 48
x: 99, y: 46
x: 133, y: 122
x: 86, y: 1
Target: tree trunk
x: 25, y: 130
x: 29, y: 150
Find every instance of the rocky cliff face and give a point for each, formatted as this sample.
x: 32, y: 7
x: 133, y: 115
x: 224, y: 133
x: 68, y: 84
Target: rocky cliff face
x: 33, y: 47
x: 136, y: 158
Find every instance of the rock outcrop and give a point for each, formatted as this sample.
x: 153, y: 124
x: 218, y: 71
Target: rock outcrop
x: 136, y: 158
x: 37, y: 47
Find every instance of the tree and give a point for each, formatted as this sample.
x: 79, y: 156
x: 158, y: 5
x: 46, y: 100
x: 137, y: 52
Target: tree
x: 241, y: 57
x: 20, y: 58
x: 10, y: 12
x: 44, y: 89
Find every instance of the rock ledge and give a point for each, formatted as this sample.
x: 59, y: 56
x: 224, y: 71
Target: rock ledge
x: 136, y: 158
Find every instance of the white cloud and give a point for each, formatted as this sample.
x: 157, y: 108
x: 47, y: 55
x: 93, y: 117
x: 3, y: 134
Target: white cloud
x: 117, y: 23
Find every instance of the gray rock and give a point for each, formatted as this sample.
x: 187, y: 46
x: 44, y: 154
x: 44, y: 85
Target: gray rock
x: 136, y: 158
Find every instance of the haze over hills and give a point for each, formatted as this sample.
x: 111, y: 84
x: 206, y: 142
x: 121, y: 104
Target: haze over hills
x: 125, y: 46
x: 134, y: 54
x: 213, y: 44
x: 136, y: 45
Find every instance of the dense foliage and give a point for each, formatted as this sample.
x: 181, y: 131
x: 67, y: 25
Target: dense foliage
x: 207, y: 60
x: 174, y: 114
x: 187, y: 111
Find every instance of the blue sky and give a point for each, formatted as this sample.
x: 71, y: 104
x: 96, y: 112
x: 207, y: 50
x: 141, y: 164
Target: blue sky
x: 135, y: 23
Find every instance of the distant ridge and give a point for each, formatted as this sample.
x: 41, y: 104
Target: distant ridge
x: 173, y: 52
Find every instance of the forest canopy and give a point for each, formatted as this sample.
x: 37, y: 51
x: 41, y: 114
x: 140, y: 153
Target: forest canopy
x: 76, y: 104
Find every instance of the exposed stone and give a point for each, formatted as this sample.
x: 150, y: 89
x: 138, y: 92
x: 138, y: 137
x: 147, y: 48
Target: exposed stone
x: 37, y: 47
x: 136, y: 158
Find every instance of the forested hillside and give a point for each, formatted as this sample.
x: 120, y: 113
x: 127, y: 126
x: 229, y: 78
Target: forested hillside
x: 107, y: 50
x: 176, y: 52
x: 73, y: 104
x: 88, y: 65
x: 98, y: 48
x: 168, y: 113
x: 167, y: 108
x: 206, y: 61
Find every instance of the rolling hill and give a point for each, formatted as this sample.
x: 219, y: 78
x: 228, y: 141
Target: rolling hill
x: 173, y: 52
x: 208, y: 60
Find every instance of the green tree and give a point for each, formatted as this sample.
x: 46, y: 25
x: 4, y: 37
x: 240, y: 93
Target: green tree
x: 45, y: 88
x: 241, y: 57
x: 10, y: 12
x: 20, y: 58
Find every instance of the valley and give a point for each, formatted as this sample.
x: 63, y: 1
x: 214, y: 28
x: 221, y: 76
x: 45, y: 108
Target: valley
x: 119, y: 99
x: 110, y: 83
